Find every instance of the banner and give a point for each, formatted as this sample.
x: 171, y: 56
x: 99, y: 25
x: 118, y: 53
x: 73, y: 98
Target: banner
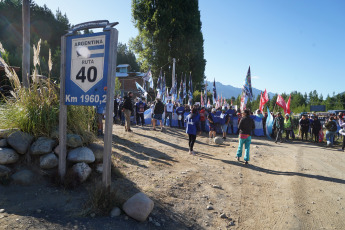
x: 214, y: 92
x: 247, y: 87
x: 281, y: 103
x: 269, y: 124
x: 141, y: 90
x: 288, y: 106
x: 148, y: 77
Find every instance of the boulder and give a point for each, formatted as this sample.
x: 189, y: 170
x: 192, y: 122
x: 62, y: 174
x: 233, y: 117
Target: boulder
x: 138, y: 206
x: 5, y: 132
x: 8, y: 156
x: 20, y: 141
x: 49, y: 161
x: 42, y: 145
x: 3, y: 143
x: 74, y: 141
x: 82, y: 154
x: 24, y: 177
x: 4, y: 171
x: 218, y: 140
x: 97, y: 150
x: 82, y: 170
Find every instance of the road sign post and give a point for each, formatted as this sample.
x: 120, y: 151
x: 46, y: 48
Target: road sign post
x: 88, y: 69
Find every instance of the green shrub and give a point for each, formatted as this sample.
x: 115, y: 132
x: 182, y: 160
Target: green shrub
x: 35, y: 110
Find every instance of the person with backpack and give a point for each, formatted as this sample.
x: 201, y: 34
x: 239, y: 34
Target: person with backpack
x: 140, y: 108
x: 331, y: 127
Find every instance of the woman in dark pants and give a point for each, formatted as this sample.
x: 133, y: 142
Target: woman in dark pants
x: 192, y: 126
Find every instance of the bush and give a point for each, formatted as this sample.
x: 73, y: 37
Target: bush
x: 35, y: 110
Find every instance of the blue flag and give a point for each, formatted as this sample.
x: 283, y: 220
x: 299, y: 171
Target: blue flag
x: 269, y: 124
x: 141, y: 90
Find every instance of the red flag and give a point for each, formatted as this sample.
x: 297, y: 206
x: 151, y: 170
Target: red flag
x: 281, y: 103
x: 288, y: 105
x: 202, y: 101
x: 265, y: 96
x: 262, y: 102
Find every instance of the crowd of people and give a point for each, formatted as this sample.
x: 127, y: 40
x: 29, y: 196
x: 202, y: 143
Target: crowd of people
x: 195, y: 122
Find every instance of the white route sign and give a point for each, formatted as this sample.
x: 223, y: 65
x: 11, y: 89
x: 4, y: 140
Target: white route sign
x: 87, y: 61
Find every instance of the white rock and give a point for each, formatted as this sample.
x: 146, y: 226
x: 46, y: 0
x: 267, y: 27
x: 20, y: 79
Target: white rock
x: 209, y: 207
x: 82, y: 154
x: 20, y: 141
x: 2, y: 210
x: 8, y: 156
x: 115, y: 212
x: 42, y: 145
x: 218, y: 140
x: 138, y: 206
x: 49, y: 161
x: 3, y: 143
x: 82, y: 170
x: 4, y: 171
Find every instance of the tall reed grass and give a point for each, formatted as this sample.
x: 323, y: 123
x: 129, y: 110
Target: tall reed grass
x: 35, y: 110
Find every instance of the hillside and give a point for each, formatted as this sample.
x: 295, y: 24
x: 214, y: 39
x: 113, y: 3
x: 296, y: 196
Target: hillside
x: 229, y: 91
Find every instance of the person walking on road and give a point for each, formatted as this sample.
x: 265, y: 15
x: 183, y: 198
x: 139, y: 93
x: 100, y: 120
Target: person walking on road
x: 127, y: 110
x: 192, y: 126
x: 245, y: 127
x: 279, y: 123
x: 287, y: 126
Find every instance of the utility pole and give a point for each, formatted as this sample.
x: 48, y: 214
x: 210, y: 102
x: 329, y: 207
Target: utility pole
x: 26, y: 43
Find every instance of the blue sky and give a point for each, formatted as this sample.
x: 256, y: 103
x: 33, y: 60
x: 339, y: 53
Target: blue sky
x: 289, y: 44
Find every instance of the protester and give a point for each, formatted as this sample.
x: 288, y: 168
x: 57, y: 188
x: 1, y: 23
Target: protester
x: 279, y: 124
x: 121, y: 114
x: 158, y: 113
x: 192, y: 126
x: 180, y: 115
x: 169, y: 109
x: 311, y: 120
x: 140, y: 108
x: 304, y: 125
x: 287, y: 126
x: 232, y: 114
x: 212, y: 126
x: 245, y: 127
x: 225, y: 121
x: 331, y: 127
x: 127, y: 110
x: 264, y: 119
x: 316, y: 127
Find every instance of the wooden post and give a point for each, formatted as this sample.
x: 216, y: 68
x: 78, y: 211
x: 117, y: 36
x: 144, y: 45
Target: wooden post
x: 63, y: 113
x: 26, y: 43
x: 106, y: 176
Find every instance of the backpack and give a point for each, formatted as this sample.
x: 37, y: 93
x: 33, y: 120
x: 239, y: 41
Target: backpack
x: 333, y: 126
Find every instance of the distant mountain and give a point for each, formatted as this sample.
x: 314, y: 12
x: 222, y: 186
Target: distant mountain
x: 229, y: 91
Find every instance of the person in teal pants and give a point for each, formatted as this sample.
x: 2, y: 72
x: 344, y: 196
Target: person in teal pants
x: 245, y: 129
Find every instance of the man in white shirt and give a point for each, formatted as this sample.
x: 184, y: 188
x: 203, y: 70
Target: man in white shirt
x: 169, y: 109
